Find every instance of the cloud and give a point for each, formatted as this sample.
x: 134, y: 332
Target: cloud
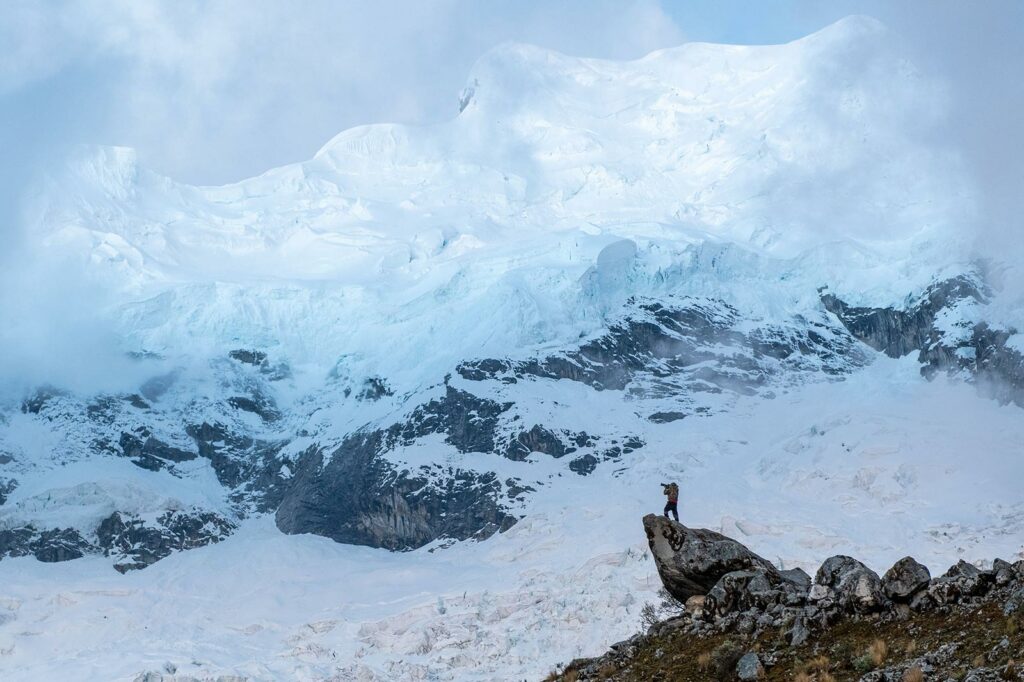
x: 214, y: 92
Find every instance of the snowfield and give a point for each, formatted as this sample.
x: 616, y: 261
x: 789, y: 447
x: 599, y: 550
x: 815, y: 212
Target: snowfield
x: 743, y: 181
x: 879, y: 466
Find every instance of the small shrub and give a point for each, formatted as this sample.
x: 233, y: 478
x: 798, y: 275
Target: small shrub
x: 648, y: 615
x: 878, y: 651
x: 606, y: 671
x: 724, y: 660
x: 914, y: 674
x: 571, y: 676
x: 863, y: 664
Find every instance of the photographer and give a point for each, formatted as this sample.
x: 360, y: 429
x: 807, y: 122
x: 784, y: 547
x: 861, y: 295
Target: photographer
x: 671, y: 491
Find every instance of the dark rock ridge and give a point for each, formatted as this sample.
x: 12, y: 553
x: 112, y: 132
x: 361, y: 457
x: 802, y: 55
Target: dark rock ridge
x: 962, y: 344
x: 675, y: 348
x: 134, y: 542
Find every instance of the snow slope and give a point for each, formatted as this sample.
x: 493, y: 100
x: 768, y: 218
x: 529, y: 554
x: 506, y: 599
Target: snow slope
x: 878, y: 466
x: 566, y: 195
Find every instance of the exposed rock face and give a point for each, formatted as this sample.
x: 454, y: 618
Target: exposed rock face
x: 50, y: 545
x: 675, y: 347
x: 137, y: 544
x: 906, y: 578
x: 134, y: 542
x: 971, y: 346
x: 691, y: 561
x: 359, y: 498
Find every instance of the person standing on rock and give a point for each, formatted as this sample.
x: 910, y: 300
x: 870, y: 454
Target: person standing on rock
x: 671, y: 491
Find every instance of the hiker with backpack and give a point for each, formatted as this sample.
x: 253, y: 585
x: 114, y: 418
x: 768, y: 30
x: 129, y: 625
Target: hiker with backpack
x: 671, y: 491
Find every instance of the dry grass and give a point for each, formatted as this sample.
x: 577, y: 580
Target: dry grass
x: 826, y: 677
x: 803, y: 677
x: 914, y: 674
x: 704, y: 661
x: 878, y: 652
x: 818, y: 664
x: 910, y: 647
x: 606, y: 671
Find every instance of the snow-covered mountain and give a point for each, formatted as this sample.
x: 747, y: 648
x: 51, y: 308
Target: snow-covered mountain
x: 486, y: 342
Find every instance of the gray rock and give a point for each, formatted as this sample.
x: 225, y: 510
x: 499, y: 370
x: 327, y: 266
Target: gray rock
x: 798, y: 577
x: 137, y: 543
x: 905, y: 578
x: 691, y: 561
x: 856, y: 586
x: 1004, y: 572
x: 961, y: 581
x: 799, y: 633
x: 1015, y: 603
x: 756, y: 589
x: 749, y: 667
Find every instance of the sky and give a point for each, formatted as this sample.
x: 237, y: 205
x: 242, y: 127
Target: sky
x: 214, y: 92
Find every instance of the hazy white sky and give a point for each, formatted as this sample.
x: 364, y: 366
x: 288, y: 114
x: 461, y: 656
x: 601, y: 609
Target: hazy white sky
x: 211, y: 92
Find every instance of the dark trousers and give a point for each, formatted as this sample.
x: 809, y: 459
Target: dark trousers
x: 670, y: 506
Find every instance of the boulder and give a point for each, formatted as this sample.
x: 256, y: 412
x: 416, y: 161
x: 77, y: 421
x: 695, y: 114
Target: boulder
x: 856, y: 586
x: 758, y: 589
x: 960, y: 581
x: 1004, y: 572
x: 906, y: 578
x: 695, y: 605
x: 1015, y: 603
x: 691, y: 561
x: 749, y: 667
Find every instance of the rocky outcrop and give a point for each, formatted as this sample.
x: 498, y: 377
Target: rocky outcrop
x: 133, y: 542
x: 691, y: 561
x: 939, y: 326
x: 758, y: 622
x: 136, y: 543
x: 727, y: 587
x: 684, y: 347
x: 49, y: 545
x: 355, y: 496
